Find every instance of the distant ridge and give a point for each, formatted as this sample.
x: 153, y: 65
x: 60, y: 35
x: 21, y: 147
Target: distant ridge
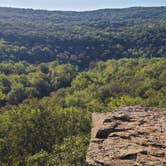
x: 142, y: 13
x: 82, y: 38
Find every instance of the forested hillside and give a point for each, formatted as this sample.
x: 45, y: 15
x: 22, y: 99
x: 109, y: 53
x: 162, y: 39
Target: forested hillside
x: 57, y: 67
x: 19, y: 81
x: 54, y: 130
x: 81, y: 38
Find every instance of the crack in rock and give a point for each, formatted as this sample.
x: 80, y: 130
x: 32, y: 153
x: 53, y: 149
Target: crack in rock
x: 130, y: 136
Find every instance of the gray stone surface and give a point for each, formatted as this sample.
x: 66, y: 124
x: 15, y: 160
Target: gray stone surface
x: 130, y: 136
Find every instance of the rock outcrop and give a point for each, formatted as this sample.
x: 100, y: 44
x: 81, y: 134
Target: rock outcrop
x: 130, y: 136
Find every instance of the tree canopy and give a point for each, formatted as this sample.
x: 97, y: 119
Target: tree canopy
x: 81, y: 38
x: 56, y: 68
x: 54, y: 128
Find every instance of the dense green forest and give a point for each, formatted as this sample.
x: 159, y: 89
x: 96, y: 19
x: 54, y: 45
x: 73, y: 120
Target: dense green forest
x: 19, y: 81
x: 57, y: 67
x: 81, y: 38
x: 54, y: 130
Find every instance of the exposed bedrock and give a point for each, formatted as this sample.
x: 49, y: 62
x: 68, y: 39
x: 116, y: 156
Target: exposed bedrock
x: 130, y: 136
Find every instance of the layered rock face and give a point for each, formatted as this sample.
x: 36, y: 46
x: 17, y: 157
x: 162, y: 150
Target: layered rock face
x: 130, y: 136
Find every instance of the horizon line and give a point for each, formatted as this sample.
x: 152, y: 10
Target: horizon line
x: 52, y: 10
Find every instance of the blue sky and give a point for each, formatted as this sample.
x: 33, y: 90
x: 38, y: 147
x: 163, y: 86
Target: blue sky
x: 79, y: 4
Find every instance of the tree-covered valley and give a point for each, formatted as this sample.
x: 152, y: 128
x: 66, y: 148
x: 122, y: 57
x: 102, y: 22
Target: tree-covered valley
x: 56, y: 68
x: 81, y: 38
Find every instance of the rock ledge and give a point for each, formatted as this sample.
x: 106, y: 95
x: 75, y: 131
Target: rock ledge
x: 130, y: 136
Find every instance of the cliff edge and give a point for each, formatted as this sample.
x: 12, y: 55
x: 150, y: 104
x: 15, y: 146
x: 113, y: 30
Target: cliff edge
x: 130, y: 136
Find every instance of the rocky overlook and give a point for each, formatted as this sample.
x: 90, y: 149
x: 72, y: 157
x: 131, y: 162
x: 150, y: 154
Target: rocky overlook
x: 130, y: 136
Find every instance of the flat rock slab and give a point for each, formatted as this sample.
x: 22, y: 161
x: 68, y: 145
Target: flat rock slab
x: 130, y: 136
